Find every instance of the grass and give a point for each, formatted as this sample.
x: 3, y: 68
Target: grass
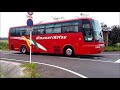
x: 2, y: 75
x: 30, y: 70
x: 4, y: 45
x: 4, y: 41
x: 115, y: 47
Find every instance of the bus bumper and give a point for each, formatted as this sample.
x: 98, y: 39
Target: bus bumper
x: 91, y: 49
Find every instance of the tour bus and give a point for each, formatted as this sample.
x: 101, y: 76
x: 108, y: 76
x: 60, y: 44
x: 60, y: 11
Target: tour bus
x: 80, y: 36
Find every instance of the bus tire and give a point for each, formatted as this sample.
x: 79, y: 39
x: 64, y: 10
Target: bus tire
x: 23, y: 49
x: 68, y: 51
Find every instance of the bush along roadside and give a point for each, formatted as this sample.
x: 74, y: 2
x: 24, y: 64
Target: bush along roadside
x: 4, y: 46
x: 115, y: 47
x: 30, y: 70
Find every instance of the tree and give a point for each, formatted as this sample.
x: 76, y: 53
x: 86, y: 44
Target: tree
x: 103, y: 24
x: 114, y: 35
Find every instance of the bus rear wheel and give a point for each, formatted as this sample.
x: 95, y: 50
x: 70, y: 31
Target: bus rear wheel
x: 23, y: 49
x: 68, y: 51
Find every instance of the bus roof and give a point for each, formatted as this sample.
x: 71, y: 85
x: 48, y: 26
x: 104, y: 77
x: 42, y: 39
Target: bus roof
x: 54, y: 22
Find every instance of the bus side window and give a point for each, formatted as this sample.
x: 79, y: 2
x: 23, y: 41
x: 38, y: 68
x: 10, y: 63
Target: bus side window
x: 27, y: 32
x: 69, y: 29
x: 41, y: 31
x: 48, y: 30
x: 35, y: 32
x: 22, y: 32
x: 57, y: 30
x: 11, y: 32
x: 17, y: 32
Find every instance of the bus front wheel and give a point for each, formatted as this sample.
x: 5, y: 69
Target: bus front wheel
x: 23, y: 49
x: 68, y: 51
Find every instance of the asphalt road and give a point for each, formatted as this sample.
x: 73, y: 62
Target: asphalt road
x: 103, y: 65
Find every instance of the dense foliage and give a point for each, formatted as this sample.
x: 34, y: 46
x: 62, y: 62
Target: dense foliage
x: 114, y: 35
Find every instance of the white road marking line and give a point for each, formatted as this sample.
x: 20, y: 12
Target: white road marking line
x: 80, y: 75
x: 6, y: 53
x: 87, y: 59
x: 118, y: 61
x: 110, y: 54
x: 11, y: 53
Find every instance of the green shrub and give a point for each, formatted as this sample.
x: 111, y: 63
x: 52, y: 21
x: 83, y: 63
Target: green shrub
x: 112, y: 48
x: 114, y: 35
x: 3, y: 45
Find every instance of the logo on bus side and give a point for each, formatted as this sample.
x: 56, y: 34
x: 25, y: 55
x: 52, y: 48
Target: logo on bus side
x: 37, y: 45
x: 51, y: 37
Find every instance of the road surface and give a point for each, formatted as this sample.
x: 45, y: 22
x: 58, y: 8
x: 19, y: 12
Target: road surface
x: 104, y: 65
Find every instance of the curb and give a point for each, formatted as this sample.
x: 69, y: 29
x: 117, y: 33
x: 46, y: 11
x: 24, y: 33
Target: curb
x: 11, y: 69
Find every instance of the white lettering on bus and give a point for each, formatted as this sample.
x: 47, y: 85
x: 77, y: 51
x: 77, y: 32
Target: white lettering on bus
x: 61, y: 37
x: 51, y: 37
x: 19, y: 38
x: 65, y: 37
x: 45, y: 37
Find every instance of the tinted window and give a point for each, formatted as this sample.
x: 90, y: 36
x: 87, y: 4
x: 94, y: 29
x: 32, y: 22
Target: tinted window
x: 17, y: 32
x: 71, y: 26
x: 49, y: 25
x: 57, y: 25
x: 70, y: 23
x: 36, y: 27
x: 35, y: 31
x: 57, y: 30
x: 14, y: 32
x: 22, y: 32
x: 67, y: 29
x: 42, y: 26
x: 11, y: 32
x: 27, y: 32
x: 86, y: 24
x: 48, y: 30
x: 40, y: 31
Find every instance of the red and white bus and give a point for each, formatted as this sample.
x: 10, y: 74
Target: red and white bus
x: 79, y: 36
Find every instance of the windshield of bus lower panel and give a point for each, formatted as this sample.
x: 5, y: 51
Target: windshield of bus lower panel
x: 97, y: 29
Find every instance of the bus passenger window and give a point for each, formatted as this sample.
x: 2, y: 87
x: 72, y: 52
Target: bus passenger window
x: 48, y: 30
x: 22, y: 32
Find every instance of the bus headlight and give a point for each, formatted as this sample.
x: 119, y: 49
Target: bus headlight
x: 100, y: 46
x: 97, y: 46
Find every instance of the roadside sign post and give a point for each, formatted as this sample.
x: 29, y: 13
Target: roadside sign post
x: 30, y: 44
x: 30, y: 28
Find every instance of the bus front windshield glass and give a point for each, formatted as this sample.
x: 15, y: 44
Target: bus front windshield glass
x: 97, y: 29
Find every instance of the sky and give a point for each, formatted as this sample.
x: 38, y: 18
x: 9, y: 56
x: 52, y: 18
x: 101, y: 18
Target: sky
x: 11, y: 19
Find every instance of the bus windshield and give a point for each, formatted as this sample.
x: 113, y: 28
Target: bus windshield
x: 97, y: 29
